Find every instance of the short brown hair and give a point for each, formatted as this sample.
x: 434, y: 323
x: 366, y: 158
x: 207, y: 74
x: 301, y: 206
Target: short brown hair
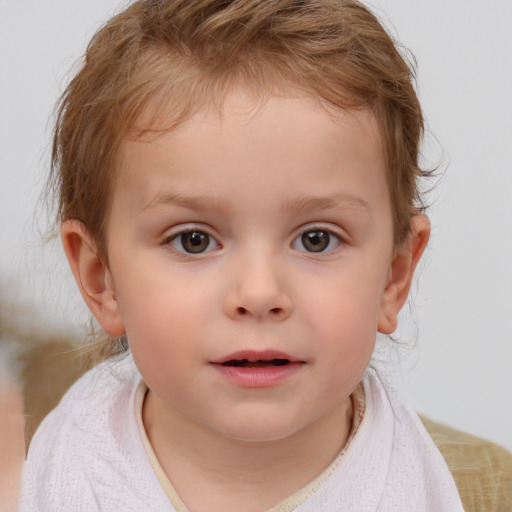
x: 175, y: 56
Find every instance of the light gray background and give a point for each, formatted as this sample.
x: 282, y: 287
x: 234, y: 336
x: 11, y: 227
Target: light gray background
x: 460, y: 370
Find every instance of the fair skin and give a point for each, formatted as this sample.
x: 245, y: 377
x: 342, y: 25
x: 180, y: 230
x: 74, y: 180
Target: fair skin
x: 251, y: 264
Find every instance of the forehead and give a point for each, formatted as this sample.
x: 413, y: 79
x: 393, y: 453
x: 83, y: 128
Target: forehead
x: 280, y: 139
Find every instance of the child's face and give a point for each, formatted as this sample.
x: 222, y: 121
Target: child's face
x: 262, y: 237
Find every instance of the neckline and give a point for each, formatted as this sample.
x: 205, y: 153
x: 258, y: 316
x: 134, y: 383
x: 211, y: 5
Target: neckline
x: 288, y: 504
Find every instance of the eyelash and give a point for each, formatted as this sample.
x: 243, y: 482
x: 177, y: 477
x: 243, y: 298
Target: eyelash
x: 326, y: 239
x: 177, y: 241
x: 330, y: 238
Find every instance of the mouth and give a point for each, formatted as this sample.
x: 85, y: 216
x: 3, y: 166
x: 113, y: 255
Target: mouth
x: 260, y: 363
x: 258, y: 369
x: 257, y: 359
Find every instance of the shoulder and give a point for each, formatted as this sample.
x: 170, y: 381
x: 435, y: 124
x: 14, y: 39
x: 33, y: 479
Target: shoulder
x: 481, y: 469
x: 415, y: 475
x: 94, y: 403
x: 82, y: 441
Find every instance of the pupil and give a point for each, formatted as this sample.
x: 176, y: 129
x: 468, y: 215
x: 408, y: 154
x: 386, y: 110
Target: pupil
x: 195, y: 241
x: 316, y: 241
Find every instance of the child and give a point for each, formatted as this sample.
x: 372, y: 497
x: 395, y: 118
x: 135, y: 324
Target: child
x: 238, y: 200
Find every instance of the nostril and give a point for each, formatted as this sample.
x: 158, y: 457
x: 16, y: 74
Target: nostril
x: 241, y: 311
x: 275, y: 311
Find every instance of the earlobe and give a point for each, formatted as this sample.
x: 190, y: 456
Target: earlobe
x: 401, y: 273
x: 92, y: 276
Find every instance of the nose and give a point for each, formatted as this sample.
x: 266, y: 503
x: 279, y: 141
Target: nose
x: 258, y: 290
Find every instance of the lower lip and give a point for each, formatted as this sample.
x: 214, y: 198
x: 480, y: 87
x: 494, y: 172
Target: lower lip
x: 261, y: 377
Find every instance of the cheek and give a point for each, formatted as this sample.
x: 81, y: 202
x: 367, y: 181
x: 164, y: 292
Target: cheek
x: 165, y: 319
x: 345, y: 348
x: 344, y: 323
x: 348, y: 337
x: 162, y: 349
x: 159, y: 300
x: 348, y: 304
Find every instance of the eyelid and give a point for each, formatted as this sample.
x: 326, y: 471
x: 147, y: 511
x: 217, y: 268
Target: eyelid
x: 322, y: 226
x: 186, y: 227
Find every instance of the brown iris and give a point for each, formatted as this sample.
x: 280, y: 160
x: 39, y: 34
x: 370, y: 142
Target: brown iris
x: 316, y: 241
x: 195, y: 241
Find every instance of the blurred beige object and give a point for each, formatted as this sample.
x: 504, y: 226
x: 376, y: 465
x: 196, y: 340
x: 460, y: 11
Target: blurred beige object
x: 12, y: 446
x: 43, y: 359
x: 482, y: 470
x: 48, y: 369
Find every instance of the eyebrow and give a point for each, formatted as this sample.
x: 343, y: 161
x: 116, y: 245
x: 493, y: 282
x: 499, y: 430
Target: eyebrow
x: 302, y: 204
x: 338, y: 201
x: 197, y: 203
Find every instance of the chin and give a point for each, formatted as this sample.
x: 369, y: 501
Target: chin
x: 258, y: 432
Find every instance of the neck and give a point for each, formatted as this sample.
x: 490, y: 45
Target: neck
x: 213, y: 472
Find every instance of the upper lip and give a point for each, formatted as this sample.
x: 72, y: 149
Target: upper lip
x: 257, y: 355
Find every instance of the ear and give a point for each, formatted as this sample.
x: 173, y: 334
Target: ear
x: 92, y: 276
x: 401, y: 273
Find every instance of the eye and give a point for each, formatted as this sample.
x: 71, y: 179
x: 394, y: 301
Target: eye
x: 317, y: 240
x: 193, y: 242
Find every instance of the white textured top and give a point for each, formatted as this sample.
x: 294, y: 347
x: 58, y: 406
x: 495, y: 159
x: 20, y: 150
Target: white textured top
x: 89, y: 455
